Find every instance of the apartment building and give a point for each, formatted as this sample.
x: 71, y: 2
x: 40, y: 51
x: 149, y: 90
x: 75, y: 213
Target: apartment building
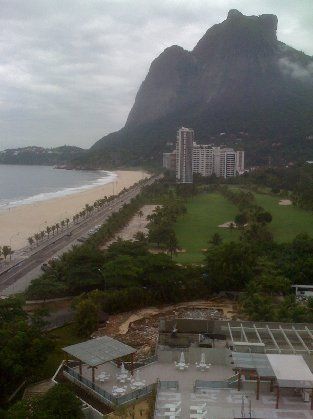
x: 203, y: 159
x: 184, y: 154
x: 190, y: 157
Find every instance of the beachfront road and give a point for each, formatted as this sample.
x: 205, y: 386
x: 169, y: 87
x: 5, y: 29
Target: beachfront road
x: 19, y: 276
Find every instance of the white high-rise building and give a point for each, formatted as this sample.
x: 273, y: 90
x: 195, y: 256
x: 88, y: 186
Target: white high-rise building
x: 224, y: 162
x: 202, y: 159
x: 240, y: 162
x: 190, y: 157
x: 184, y: 150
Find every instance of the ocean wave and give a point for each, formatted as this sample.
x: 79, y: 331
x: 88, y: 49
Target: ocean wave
x: 108, y: 178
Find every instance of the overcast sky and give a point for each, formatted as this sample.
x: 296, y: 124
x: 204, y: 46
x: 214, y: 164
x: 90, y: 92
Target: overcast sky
x: 70, y: 69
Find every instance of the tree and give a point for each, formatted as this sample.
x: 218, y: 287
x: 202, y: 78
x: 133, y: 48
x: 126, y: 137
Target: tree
x: 258, y: 307
x: 122, y: 271
x: 140, y: 214
x: 67, y: 221
x: 23, y: 348
x: 241, y: 219
x: 53, y: 229
x: 45, y: 288
x: 140, y: 237
x: 48, y: 230
x: 37, y: 238
x: 30, y: 241
x: 63, y: 224
x: 172, y: 243
x: 86, y: 317
x: 6, y: 251
x: 229, y: 266
x: 58, y: 403
x: 61, y: 403
x: 158, y: 233
x: 216, y: 239
x: 264, y: 217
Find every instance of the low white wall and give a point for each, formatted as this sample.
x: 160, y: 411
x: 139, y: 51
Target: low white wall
x: 217, y: 356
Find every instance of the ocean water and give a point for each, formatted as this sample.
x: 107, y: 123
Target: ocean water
x: 20, y: 185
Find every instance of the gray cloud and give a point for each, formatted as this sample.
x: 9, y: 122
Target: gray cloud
x: 293, y: 69
x: 70, y: 69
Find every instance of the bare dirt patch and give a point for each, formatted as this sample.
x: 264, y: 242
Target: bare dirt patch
x: 285, y: 202
x: 140, y: 328
x: 228, y: 224
x: 137, y: 224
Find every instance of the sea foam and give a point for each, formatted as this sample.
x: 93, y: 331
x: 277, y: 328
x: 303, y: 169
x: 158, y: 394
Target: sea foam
x: 108, y: 177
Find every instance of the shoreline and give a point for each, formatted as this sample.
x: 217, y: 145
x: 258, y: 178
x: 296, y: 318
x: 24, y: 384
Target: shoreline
x: 67, y: 191
x: 20, y: 222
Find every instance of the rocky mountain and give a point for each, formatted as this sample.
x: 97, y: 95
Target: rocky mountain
x: 41, y: 156
x: 239, y: 80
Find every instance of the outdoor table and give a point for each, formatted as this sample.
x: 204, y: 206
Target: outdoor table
x: 119, y: 390
x: 103, y: 378
x: 121, y: 377
x: 199, y: 409
x: 138, y: 383
x: 181, y: 366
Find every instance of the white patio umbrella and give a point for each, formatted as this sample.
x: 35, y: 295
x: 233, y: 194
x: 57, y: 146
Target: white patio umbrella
x: 123, y: 369
x: 182, y: 358
x: 202, y: 358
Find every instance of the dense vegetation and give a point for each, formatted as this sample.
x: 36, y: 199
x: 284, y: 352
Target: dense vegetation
x: 59, y: 402
x: 295, y: 180
x: 23, y: 346
x: 41, y: 156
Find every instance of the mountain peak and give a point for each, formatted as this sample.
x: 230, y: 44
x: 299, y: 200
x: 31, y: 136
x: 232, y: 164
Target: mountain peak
x: 237, y: 78
x: 233, y: 13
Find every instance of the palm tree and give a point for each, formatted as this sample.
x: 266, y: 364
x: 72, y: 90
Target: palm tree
x: 171, y: 243
x: 63, y: 224
x: 67, y: 221
x: 6, y: 250
x: 30, y: 241
x: 48, y: 230
x: 53, y: 229
x: 57, y: 226
x: 37, y: 238
x: 42, y: 234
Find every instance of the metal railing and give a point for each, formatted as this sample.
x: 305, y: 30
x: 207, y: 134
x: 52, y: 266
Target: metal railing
x: 103, y: 394
x: 229, y: 383
x: 168, y: 385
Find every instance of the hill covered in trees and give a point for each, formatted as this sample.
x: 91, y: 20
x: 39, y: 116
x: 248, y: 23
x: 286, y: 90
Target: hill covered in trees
x: 41, y: 156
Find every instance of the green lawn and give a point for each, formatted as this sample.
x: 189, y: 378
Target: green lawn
x: 194, y: 229
x: 206, y: 211
x: 288, y: 221
x: 63, y: 336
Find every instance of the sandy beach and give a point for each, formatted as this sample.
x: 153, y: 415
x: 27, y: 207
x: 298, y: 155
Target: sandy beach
x: 17, y: 224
